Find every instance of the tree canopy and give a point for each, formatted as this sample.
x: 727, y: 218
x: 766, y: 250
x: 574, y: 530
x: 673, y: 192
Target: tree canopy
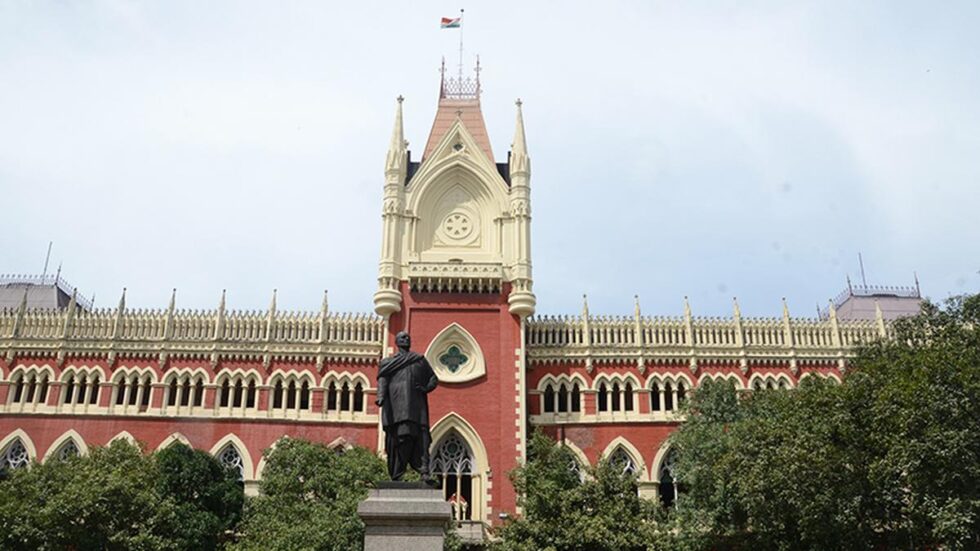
x: 309, y: 497
x: 889, y: 459
x: 568, y: 506
x: 118, y: 498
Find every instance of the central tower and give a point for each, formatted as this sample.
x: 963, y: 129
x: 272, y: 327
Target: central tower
x: 455, y: 271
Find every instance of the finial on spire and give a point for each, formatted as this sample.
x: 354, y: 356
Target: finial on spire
x: 397, y: 151
x: 785, y: 309
x: 325, y: 308
x: 122, y: 300
x: 520, y: 163
x: 636, y: 306
x: 737, y: 310
x: 585, y: 305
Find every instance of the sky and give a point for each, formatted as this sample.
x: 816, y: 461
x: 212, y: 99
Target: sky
x: 702, y: 149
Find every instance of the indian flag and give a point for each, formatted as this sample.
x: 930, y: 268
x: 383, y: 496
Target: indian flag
x: 448, y: 23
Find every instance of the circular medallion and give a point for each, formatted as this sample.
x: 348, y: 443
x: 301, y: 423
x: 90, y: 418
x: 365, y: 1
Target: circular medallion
x: 457, y: 226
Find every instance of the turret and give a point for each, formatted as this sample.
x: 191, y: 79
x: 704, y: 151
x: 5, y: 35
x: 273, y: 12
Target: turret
x: 521, y: 299
x: 387, y: 300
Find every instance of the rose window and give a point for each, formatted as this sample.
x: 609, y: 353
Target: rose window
x: 453, y: 358
x: 457, y: 226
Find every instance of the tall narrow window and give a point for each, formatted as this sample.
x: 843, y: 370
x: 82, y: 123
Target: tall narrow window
x: 172, y: 393
x: 225, y: 393
x: 144, y: 395
x: 669, y: 488
x: 549, y: 399
x: 655, y: 396
x: 31, y: 387
x: 277, y: 395
x: 452, y: 465
x: 69, y: 390
x: 42, y: 395
x: 198, y: 393
x: 19, y: 389
x: 615, y: 397
x: 563, y: 398
x: 576, y: 398
x: 628, y: 397
x: 332, y: 396
x: 304, y: 396
x: 121, y: 392
x: 345, y: 397
x: 185, y: 393
x: 93, y: 394
x: 134, y: 390
x: 681, y: 393
x: 250, y: 396
x: 291, y: 395
x: 359, y: 397
x: 602, y: 398
x: 668, y: 397
x: 237, y: 397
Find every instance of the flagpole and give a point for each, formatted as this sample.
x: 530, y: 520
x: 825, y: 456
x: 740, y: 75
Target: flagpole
x: 461, y: 46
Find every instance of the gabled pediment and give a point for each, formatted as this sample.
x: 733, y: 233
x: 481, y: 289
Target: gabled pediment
x: 457, y: 147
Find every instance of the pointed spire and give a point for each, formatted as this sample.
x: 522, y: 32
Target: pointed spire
x: 687, y: 308
x: 737, y: 310
x: 324, y: 311
x: 271, y: 318
x: 585, y: 306
x: 168, y: 329
x: 785, y: 309
x: 219, y: 322
x: 117, y: 323
x: 636, y: 306
x: 272, y: 305
x: 21, y: 311
x: 70, y: 313
x: 397, y: 150
x: 520, y: 163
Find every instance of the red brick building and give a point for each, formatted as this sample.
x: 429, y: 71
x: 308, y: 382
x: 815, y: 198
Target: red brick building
x: 455, y: 271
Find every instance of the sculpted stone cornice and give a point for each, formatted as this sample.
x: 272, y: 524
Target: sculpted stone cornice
x: 213, y: 335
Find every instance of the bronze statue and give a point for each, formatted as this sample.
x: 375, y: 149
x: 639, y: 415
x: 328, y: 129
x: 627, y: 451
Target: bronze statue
x: 404, y: 380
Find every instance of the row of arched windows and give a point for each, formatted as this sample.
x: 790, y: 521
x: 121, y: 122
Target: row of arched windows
x: 136, y: 391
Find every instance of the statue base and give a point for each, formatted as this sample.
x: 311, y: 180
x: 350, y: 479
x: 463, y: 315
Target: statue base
x: 404, y: 516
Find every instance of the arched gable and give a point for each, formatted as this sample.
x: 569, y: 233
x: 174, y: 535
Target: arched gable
x: 454, y: 422
x: 172, y: 439
x: 345, y: 377
x: 69, y: 434
x: 125, y: 435
x: 299, y: 377
x: 24, y: 439
x: 233, y: 440
x: 658, y: 460
x: 43, y: 369
x: 187, y: 374
x: 632, y: 451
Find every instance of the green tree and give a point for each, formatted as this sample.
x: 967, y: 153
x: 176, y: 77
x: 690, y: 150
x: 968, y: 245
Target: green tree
x: 117, y: 498
x: 889, y: 459
x: 309, y: 497
x: 205, y: 497
x: 565, y: 511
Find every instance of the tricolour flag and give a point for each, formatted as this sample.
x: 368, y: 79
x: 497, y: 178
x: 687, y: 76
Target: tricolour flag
x: 448, y: 23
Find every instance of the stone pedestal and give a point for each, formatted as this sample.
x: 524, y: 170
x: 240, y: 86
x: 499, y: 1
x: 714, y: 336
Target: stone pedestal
x: 404, y: 516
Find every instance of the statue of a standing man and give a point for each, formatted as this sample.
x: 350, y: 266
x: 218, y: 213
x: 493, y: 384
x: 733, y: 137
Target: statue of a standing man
x: 404, y: 380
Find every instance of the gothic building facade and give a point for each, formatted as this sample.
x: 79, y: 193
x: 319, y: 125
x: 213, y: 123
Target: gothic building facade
x: 455, y: 271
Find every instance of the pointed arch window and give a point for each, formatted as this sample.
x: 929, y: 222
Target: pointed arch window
x: 359, y: 397
x: 230, y: 457
x: 549, y: 399
x: 669, y: 489
x: 603, y: 399
x: 277, y: 395
x: 198, y: 393
x: 616, y: 403
x: 225, y: 393
x: 668, y: 397
x: 14, y: 457
x: 576, y: 398
x: 681, y: 393
x: 563, y: 398
x: 628, y: 397
x: 304, y: 395
x: 291, y: 395
x: 172, y: 393
x: 623, y: 462
x: 452, y: 465
x: 332, y: 396
x: 67, y: 450
x: 655, y: 396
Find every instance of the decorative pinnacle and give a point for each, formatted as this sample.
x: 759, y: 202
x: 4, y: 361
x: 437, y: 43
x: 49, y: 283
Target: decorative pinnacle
x: 585, y: 305
x: 636, y: 301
